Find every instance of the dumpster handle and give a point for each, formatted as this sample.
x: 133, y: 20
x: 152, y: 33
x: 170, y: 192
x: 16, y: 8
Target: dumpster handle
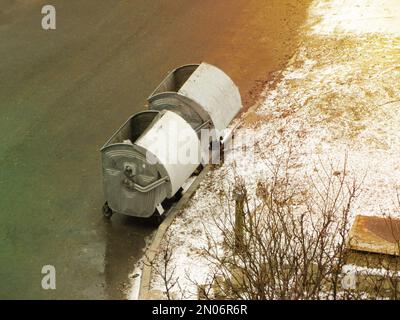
x: 151, y: 186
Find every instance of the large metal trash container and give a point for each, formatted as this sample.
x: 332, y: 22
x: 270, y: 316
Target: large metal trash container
x: 139, y: 169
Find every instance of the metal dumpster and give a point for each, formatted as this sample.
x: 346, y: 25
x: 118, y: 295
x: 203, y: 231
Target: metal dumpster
x: 149, y: 158
x: 199, y: 93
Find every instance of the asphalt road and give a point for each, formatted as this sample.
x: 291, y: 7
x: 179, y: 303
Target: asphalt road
x: 64, y: 92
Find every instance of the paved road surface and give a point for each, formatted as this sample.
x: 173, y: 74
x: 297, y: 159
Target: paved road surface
x: 64, y: 92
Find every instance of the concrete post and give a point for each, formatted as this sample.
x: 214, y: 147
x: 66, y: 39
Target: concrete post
x: 239, y: 196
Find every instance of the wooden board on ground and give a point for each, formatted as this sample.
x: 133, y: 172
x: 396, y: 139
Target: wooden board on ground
x: 376, y: 235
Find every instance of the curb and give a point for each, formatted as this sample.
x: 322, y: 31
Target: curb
x: 153, y: 249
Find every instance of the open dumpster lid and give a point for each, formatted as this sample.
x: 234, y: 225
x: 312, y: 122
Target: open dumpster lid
x: 212, y: 89
x: 173, y: 144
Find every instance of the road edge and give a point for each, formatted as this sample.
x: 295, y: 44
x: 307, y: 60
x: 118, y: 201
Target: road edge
x: 151, y: 252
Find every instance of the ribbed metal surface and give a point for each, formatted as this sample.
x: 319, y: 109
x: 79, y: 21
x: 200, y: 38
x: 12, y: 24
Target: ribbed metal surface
x: 120, y: 197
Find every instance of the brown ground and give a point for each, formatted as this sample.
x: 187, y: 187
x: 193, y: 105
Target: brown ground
x: 252, y: 58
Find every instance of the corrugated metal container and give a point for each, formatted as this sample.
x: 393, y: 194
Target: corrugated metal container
x: 132, y: 186
x: 200, y: 93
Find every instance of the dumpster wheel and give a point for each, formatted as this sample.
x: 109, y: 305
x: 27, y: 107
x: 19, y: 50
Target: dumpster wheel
x: 157, y: 219
x: 107, y: 212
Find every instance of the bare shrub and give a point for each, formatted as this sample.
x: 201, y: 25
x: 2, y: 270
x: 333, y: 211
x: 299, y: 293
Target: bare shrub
x: 286, y: 240
x: 292, y: 240
x: 377, y: 276
x: 163, y: 266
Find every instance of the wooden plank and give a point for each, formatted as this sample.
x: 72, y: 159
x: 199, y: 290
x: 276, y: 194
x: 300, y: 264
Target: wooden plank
x: 376, y: 235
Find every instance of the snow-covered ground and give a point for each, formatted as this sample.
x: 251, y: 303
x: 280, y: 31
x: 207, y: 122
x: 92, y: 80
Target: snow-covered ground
x: 338, y: 97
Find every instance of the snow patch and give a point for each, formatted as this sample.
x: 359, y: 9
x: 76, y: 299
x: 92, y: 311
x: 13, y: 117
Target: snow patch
x: 355, y: 16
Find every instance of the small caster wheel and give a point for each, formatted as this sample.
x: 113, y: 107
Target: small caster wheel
x: 157, y: 219
x: 107, y: 212
x: 178, y: 195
